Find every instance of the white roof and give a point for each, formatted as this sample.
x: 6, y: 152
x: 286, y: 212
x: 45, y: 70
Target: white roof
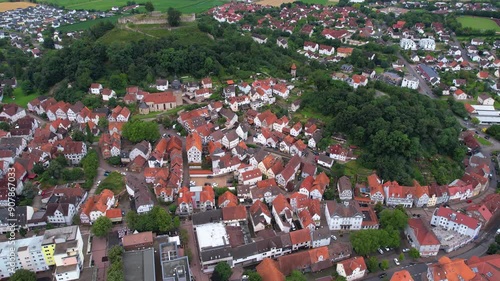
x: 483, y: 107
x: 212, y: 235
x: 489, y: 119
x: 488, y: 113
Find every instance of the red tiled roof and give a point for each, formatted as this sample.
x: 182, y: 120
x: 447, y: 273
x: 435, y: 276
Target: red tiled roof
x: 234, y: 213
x: 424, y: 235
x: 300, y: 236
x: 269, y: 271
x: 459, y: 217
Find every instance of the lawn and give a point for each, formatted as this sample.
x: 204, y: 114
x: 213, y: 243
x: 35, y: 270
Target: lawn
x: 20, y: 98
x: 354, y: 170
x: 121, y: 35
x: 185, y: 6
x: 482, y: 140
x: 114, y: 182
x: 478, y: 23
x: 83, y: 25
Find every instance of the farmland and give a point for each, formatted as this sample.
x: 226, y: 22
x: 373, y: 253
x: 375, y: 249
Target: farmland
x: 478, y: 23
x: 6, y: 6
x: 185, y: 6
x: 279, y: 2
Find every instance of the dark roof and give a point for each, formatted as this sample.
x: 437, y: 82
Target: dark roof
x: 207, y: 217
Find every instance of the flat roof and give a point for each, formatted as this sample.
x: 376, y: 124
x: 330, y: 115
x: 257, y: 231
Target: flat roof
x: 139, y: 265
x: 211, y: 235
x: 176, y: 270
x: 59, y: 235
x: 33, y: 243
x: 488, y: 113
x: 488, y: 119
x: 483, y: 107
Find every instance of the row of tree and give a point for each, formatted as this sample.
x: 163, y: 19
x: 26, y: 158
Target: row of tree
x: 157, y: 220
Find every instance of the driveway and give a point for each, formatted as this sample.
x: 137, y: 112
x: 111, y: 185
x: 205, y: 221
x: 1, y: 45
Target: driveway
x: 100, y: 250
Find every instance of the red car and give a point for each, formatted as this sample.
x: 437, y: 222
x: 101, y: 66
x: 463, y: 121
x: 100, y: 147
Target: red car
x: 469, y: 201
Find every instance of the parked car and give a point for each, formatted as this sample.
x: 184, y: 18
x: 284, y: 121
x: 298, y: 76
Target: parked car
x: 98, y: 183
x: 334, y: 237
x: 396, y: 261
x: 382, y: 275
x: 406, y: 250
x: 123, y: 173
x: 380, y: 251
x: 106, y: 173
x: 469, y: 201
x: 387, y: 249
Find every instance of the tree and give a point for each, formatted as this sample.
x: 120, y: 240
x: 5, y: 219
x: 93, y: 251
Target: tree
x: 340, y: 278
x: 414, y: 253
x: 493, y: 249
x: 177, y: 222
x: 184, y: 237
x: 378, y: 207
x: 384, y: 265
x: 101, y: 226
x: 149, y: 7
x: 475, y: 121
x: 222, y: 272
x: 114, y: 253
x: 23, y: 275
x: 115, y: 160
x: 401, y: 257
x: 372, y: 264
x: 4, y: 126
x: 173, y: 17
x: 395, y: 219
x: 103, y: 123
x: 137, y: 131
x: 296, y: 276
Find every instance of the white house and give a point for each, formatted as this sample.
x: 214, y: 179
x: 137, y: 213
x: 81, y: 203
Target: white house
x: 410, y: 82
x: 343, y: 216
x: 344, y: 188
x: 427, y: 44
x: 60, y: 213
x: 407, y: 44
x: 352, y: 269
x: 456, y: 221
x: 194, y: 148
x: 422, y: 238
x: 95, y: 88
x: 107, y: 94
x: 485, y: 99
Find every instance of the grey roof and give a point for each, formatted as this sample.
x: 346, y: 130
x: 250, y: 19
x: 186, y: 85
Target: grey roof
x: 207, y: 217
x: 216, y: 253
x: 139, y: 265
x: 245, y: 250
x: 428, y: 70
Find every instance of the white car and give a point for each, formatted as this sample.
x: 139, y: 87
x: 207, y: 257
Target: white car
x: 380, y: 251
x: 387, y: 249
x: 406, y: 250
x: 334, y: 237
x: 396, y: 261
x: 98, y: 183
x: 123, y: 173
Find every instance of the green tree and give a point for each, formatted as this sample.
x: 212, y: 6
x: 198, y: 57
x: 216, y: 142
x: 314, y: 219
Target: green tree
x: 296, y: 276
x: 137, y: 131
x: 414, y: 253
x: 114, y: 253
x: 493, y: 249
x: 115, y: 160
x: 384, y: 265
x: 177, y: 222
x: 4, y: 126
x: 401, y: 257
x: 149, y: 7
x: 103, y: 123
x: 222, y: 272
x: 395, y: 219
x: 102, y: 226
x: 475, y: 121
x: 173, y: 17
x: 372, y: 264
x: 132, y: 219
x: 340, y: 278
x: 184, y: 237
x: 378, y: 207
x: 23, y: 275
x: 252, y: 275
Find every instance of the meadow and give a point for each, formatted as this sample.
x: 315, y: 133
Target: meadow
x: 478, y: 23
x: 185, y: 6
x: 84, y: 25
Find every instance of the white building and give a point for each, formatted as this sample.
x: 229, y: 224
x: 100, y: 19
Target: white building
x: 407, y: 44
x: 427, y: 44
x: 28, y: 255
x: 451, y: 220
x: 343, y: 216
x: 352, y: 269
x: 421, y: 237
x: 410, y: 82
x: 194, y: 148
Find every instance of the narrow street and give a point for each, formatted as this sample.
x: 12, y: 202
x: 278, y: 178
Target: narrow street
x: 423, y: 88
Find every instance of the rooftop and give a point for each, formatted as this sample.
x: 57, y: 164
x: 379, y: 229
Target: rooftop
x: 60, y: 235
x: 139, y: 265
x: 211, y: 235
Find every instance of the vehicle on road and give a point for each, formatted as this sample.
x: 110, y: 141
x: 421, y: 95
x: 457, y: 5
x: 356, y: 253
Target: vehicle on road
x: 396, y: 261
x: 469, y: 201
x: 334, y: 237
x: 380, y: 251
x: 382, y: 275
x: 387, y: 249
x: 98, y: 183
x: 106, y: 173
x: 405, y: 250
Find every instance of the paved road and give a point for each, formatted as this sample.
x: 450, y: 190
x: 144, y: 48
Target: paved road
x: 423, y: 87
x: 462, y: 50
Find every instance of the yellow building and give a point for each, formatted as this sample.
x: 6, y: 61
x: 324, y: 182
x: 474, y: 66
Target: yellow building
x: 48, y: 253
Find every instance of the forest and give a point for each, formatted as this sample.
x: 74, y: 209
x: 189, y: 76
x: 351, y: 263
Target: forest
x: 403, y: 134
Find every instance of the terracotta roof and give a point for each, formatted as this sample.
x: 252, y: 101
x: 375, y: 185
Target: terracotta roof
x: 423, y: 233
x: 458, y: 217
x: 353, y: 263
x: 114, y: 213
x: 193, y: 140
x: 300, y: 236
x: 137, y: 239
x: 266, y: 183
x: 259, y: 207
x: 159, y: 98
x: 269, y: 271
x: 402, y: 275
x: 487, y: 268
x: 280, y: 204
x: 227, y: 196
x: 305, y: 218
x: 234, y: 213
x: 446, y: 269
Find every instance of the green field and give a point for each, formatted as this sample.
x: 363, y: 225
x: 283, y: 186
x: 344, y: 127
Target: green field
x: 478, y: 23
x: 185, y: 6
x: 84, y: 25
x: 20, y: 98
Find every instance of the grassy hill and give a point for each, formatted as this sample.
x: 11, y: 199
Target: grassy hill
x: 185, y: 6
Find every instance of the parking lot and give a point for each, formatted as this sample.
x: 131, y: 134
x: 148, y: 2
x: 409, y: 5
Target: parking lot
x: 221, y: 181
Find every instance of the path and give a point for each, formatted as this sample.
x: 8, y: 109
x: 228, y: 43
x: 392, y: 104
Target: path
x: 138, y: 31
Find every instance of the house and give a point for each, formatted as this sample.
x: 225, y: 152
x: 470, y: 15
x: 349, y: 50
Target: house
x: 344, y: 52
x: 95, y: 88
x: 268, y: 270
x: 482, y: 75
x: 138, y: 190
x: 142, y: 149
x: 260, y: 216
x: 428, y: 73
x: 288, y: 173
x: 337, y: 152
x: 357, y: 80
x: 311, y: 46
x: 343, y: 216
x: 456, y: 221
x: 427, y: 44
x: 282, y: 42
x: 485, y: 99
x: 206, y: 83
x: 60, y: 213
x: 421, y: 195
x: 234, y: 215
x: 438, y: 194
x: 184, y: 202
x: 282, y: 213
x: 194, y: 148
x: 407, y: 44
x: 13, y: 112
x: 162, y: 85
x: 250, y: 177
x: 410, y: 82
x: 447, y: 269
x: 421, y: 237
x: 295, y: 105
x: 402, y: 275
x: 396, y: 194
x: 96, y: 206
x: 301, y: 239
x: 261, y: 39
x: 352, y: 269
x: 326, y: 50
x: 227, y: 199
x: 73, y: 151
x: 459, y: 95
x: 107, y: 94
x: 315, y: 139
x: 344, y: 188
x: 325, y: 161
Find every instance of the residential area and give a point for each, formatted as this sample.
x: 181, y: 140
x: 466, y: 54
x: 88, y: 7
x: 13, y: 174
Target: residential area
x: 235, y: 175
